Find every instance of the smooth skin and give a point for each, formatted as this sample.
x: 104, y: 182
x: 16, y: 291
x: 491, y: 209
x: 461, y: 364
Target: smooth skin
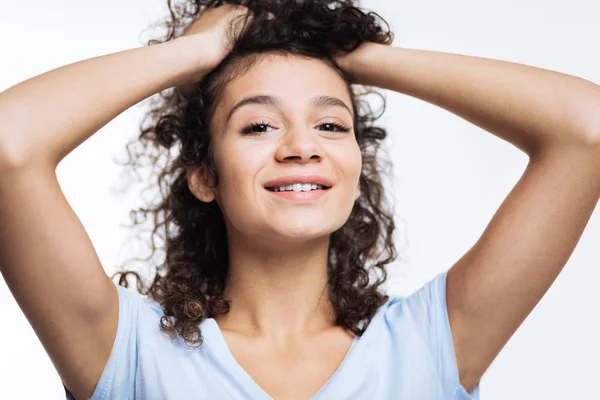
x: 555, y: 119
x: 73, y: 306
x: 46, y: 257
x: 278, y: 248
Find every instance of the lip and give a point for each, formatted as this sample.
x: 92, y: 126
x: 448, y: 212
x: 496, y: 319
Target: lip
x: 301, y: 196
x: 290, y: 179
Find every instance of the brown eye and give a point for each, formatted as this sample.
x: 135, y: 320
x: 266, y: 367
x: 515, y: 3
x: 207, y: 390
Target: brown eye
x: 256, y: 128
x: 334, y: 125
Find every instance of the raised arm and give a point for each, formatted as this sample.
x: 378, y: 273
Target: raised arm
x: 555, y: 119
x: 46, y: 257
x: 46, y: 117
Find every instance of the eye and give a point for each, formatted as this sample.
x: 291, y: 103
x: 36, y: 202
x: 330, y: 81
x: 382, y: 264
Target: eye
x: 335, y: 125
x: 255, y: 128
x: 258, y: 128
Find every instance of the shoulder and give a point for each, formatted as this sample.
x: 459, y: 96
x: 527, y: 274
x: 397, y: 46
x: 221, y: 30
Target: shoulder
x: 139, y: 316
x: 416, y: 325
x: 423, y: 306
x: 137, y: 302
x: 417, y: 335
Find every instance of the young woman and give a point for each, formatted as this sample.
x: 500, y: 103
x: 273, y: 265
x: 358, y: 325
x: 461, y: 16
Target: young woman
x: 273, y: 214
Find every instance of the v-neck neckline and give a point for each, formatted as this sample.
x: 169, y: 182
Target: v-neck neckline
x: 217, y: 339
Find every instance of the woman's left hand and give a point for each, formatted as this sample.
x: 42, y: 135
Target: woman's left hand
x: 352, y: 63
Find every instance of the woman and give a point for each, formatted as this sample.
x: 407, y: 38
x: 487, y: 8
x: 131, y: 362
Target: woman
x: 269, y: 287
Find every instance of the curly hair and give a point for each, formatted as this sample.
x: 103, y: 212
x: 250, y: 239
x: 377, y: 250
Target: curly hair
x: 189, y: 282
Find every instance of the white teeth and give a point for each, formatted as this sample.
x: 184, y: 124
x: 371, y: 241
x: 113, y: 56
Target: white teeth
x: 298, y: 187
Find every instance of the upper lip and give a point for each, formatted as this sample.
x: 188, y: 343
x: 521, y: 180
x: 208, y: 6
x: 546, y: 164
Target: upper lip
x: 290, y: 179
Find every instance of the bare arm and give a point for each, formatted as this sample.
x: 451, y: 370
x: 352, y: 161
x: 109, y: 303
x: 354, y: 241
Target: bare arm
x: 46, y: 257
x: 46, y: 117
x: 555, y: 119
x: 528, y: 107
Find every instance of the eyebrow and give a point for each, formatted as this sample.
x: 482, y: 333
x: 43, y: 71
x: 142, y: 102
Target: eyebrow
x: 315, y: 102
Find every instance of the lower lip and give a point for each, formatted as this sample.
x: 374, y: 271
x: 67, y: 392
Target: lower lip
x: 300, y: 196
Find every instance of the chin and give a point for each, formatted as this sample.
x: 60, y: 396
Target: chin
x: 306, y: 230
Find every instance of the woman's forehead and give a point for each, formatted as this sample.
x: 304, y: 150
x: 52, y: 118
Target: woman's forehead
x: 280, y: 80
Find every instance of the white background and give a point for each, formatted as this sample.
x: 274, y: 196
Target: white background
x: 450, y: 176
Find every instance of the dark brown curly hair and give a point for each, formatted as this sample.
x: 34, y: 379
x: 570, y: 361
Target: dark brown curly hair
x: 189, y: 281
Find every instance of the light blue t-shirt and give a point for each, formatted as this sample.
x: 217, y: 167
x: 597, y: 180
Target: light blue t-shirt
x: 406, y: 353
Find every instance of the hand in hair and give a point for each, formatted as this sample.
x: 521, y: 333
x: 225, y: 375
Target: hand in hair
x: 220, y: 27
x: 350, y: 61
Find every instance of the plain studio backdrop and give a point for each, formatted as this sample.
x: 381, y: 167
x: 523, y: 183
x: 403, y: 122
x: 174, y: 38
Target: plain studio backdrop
x: 449, y: 176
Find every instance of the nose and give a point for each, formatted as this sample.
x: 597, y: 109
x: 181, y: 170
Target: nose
x: 299, y: 145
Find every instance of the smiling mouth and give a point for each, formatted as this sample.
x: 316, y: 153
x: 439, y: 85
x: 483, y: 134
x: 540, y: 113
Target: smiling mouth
x: 318, y: 188
x: 311, y: 195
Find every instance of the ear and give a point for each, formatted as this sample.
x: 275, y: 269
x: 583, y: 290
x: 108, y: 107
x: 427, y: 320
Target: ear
x: 199, y: 183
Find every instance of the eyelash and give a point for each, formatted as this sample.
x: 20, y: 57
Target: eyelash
x: 248, y: 129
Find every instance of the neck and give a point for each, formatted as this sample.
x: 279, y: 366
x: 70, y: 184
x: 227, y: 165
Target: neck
x: 278, y: 291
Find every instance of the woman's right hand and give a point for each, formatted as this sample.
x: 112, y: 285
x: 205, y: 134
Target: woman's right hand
x: 219, y: 27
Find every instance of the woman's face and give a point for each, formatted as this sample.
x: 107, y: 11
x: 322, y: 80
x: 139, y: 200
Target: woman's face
x: 290, y: 133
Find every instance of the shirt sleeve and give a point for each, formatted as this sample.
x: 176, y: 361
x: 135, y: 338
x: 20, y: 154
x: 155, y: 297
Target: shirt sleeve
x: 118, y: 377
x: 428, y: 304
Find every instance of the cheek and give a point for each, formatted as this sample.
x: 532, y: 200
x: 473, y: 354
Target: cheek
x: 229, y: 161
x: 237, y: 166
x: 350, y: 159
x: 358, y: 162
